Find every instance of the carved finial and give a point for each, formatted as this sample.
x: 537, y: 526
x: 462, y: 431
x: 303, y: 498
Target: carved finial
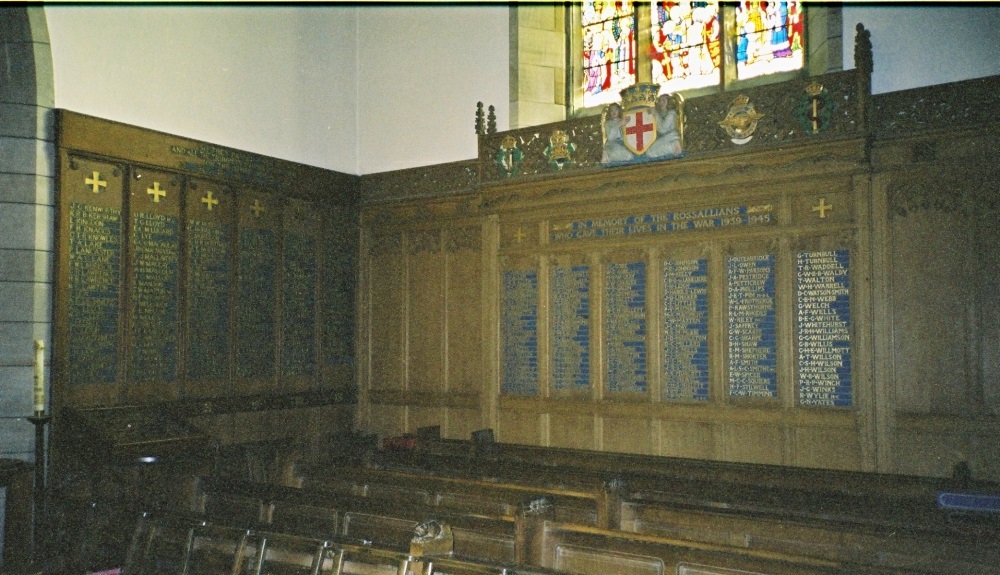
x: 615, y: 483
x: 863, y: 58
x: 537, y: 506
x: 480, y: 126
x: 491, y: 121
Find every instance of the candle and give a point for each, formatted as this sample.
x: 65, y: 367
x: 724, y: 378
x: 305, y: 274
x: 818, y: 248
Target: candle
x: 39, y: 376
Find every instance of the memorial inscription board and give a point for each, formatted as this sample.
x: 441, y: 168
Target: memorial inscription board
x: 625, y: 326
x: 155, y: 239
x: 519, y: 331
x: 660, y: 223
x: 570, y: 320
x: 750, y: 290
x: 298, y: 306
x: 94, y: 298
x: 257, y: 257
x: 685, y: 330
x: 209, y: 249
x: 824, y: 328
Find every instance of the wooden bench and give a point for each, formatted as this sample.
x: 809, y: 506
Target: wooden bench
x: 852, y: 483
x: 185, y: 546
x: 773, y: 524
x: 545, y: 547
x: 387, y: 522
x: 806, y: 494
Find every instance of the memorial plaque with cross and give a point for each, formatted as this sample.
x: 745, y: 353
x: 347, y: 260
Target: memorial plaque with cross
x: 258, y: 259
x: 154, y: 275
x: 209, y: 227
x: 91, y: 311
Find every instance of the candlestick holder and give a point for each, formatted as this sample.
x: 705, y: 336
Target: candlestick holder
x: 38, y: 537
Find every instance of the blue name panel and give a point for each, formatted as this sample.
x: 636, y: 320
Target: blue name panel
x: 625, y: 326
x: 570, y: 319
x: 685, y: 330
x: 751, y: 311
x: 824, y: 328
x: 519, y: 332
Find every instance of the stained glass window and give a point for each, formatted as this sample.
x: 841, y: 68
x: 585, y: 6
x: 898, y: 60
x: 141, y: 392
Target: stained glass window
x: 686, y: 50
x: 769, y: 38
x: 608, y: 50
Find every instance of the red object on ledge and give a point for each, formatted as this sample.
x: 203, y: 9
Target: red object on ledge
x: 405, y: 442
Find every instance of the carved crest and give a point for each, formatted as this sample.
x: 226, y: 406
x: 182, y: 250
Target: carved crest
x: 740, y: 122
x: 645, y: 126
x: 815, y: 108
x: 560, y: 150
x: 509, y: 156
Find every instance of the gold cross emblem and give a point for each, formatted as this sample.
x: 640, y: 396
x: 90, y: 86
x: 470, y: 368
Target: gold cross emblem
x: 519, y: 235
x: 156, y: 192
x: 96, y: 183
x: 209, y: 201
x: 257, y: 208
x: 822, y: 207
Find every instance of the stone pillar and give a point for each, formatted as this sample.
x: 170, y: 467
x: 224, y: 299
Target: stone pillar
x: 537, y: 64
x: 27, y: 160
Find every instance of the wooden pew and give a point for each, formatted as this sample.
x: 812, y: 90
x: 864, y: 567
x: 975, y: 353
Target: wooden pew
x: 384, y: 521
x: 196, y: 547
x: 852, y: 483
x: 474, y: 496
x: 587, y: 550
x: 856, y: 543
x: 791, y: 527
x: 797, y: 493
x: 544, y: 547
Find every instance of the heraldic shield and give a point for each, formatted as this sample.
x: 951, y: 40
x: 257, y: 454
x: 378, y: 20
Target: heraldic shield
x: 639, y: 130
x: 645, y: 126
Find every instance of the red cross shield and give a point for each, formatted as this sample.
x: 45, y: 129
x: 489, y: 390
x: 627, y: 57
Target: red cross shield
x: 639, y: 131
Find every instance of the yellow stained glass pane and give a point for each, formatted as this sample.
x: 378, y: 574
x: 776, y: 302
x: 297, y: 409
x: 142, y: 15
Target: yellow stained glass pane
x: 686, y: 49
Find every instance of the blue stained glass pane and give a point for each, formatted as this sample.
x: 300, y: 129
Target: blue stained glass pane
x: 769, y: 38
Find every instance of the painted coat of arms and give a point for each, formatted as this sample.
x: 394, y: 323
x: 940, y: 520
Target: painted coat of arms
x: 646, y: 125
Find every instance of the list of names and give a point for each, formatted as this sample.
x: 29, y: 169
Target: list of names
x: 519, y: 331
x: 824, y: 328
x: 570, y: 317
x: 94, y: 293
x: 685, y: 330
x: 751, y: 312
x: 208, y: 300
x: 625, y: 326
x: 154, y: 297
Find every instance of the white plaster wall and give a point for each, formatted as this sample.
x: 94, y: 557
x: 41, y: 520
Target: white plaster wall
x: 364, y: 88
x: 421, y: 72
x: 276, y: 80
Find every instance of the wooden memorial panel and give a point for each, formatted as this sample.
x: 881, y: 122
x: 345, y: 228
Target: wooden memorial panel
x: 685, y: 316
x: 210, y: 209
x: 338, y: 281
x: 425, y: 273
x: 569, y: 324
x: 519, y: 328
x: 153, y: 284
x: 258, y: 252
x: 89, y: 319
x: 751, y: 314
x: 823, y: 326
x: 626, y: 367
x: 299, y: 294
